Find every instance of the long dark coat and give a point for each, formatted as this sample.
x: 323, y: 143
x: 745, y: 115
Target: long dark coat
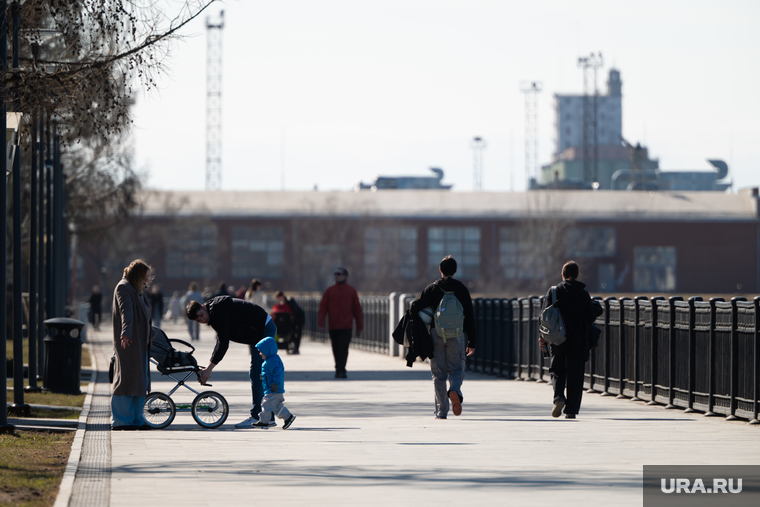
x: 132, y: 318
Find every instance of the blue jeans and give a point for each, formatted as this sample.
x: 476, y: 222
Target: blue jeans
x: 447, y: 363
x: 254, y: 374
x: 128, y: 410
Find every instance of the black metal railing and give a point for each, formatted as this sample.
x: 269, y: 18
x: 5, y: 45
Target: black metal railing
x: 376, y: 332
x: 696, y: 355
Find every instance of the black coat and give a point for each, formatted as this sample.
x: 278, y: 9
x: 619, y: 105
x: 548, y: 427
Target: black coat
x: 412, y: 333
x: 234, y: 320
x: 578, y: 313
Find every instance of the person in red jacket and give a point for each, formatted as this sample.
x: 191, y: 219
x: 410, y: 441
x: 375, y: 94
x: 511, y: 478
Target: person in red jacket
x: 340, y: 304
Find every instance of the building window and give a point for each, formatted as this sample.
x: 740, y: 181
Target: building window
x: 462, y: 243
x: 390, y: 252
x: 654, y: 268
x: 522, y: 253
x: 192, y: 252
x: 258, y: 252
x: 591, y: 242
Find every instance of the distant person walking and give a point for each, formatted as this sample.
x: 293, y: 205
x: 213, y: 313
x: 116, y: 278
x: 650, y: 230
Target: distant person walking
x: 254, y: 294
x: 175, y: 307
x: 192, y: 294
x: 156, y: 299
x: 340, y: 304
x: 453, y: 334
x: 568, y: 358
x: 96, y: 307
x: 235, y: 320
x: 221, y: 290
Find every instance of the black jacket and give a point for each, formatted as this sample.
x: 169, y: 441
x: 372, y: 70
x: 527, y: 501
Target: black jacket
x: 413, y: 334
x: 433, y: 294
x: 574, y: 304
x: 234, y: 320
x: 298, y: 313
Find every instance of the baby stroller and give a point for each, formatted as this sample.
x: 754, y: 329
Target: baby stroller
x: 209, y: 408
x: 285, y: 327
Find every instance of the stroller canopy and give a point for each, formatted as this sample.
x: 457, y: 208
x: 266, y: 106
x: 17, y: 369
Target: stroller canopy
x: 167, y: 356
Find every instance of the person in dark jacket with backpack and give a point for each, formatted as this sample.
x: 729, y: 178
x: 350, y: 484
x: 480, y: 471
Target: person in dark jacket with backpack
x: 568, y: 358
x: 457, y: 325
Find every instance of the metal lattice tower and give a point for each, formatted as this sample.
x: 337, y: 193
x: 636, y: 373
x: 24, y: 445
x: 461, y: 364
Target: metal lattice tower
x: 478, y: 144
x: 590, y: 64
x: 531, y: 90
x: 214, y: 102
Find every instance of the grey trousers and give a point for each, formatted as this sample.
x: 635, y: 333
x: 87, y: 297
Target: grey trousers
x: 273, y: 403
x: 447, y: 363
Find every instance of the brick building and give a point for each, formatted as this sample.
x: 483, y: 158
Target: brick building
x: 505, y: 243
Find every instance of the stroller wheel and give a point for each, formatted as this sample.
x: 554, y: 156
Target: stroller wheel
x: 210, y: 409
x: 159, y: 410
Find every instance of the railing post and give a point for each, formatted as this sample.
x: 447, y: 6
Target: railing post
x: 606, y: 385
x: 756, y: 369
x: 636, y: 336
x: 734, y: 358
x: 653, y: 350
x: 540, y: 357
x: 711, y: 360
x: 621, y: 356
x: 672, y: 350
x: 692, y: 353
x: 520, y: 325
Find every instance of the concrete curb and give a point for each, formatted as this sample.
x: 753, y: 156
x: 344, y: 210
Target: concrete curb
x: 67, y: 484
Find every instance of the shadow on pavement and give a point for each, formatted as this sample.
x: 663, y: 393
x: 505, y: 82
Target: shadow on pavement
x: 313, y: 376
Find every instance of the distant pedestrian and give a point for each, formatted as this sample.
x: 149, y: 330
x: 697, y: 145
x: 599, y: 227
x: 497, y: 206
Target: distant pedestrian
x: 131, y: 339
x: 340, y: 304
x: 240, y: 294
x: 192, y: 294
x: 238, y: 321
x: 175, y: 307
x: 156, y: 299
x: 453, y: 334
x: 96, y: 307
x: 221, y: 290
x: 568, y: 358
x: 273, y: 384
x: 254, y: 294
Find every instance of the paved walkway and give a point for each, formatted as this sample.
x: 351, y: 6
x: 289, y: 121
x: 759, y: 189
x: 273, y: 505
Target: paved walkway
x: 372, y: 440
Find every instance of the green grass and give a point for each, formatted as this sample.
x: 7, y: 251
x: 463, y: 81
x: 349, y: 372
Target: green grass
x: 46, y: 413
x: 48, y: 398
x: 31, y: 467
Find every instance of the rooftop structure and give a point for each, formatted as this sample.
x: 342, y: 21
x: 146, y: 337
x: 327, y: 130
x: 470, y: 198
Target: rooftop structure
x: 406, y: 182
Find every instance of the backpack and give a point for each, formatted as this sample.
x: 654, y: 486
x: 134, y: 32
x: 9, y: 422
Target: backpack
x: 449, y: 317
x: 551, y: 327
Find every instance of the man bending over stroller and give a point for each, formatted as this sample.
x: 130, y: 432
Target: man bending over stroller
x: 240, y: 322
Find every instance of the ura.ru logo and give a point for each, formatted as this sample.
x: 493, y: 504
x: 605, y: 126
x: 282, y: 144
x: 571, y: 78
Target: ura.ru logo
x: 698, y: 486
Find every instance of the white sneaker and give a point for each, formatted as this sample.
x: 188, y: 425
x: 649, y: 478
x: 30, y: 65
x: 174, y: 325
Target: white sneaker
x: 247, y: 423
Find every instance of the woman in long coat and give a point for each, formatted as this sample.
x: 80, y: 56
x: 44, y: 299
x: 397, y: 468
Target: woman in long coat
x: 131, y: 339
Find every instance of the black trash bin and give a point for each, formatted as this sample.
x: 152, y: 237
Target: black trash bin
x: 63, y: 355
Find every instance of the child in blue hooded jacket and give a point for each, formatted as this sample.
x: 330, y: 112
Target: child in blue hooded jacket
x: 273, y: 380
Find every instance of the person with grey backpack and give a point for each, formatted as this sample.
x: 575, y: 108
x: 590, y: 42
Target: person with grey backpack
x: 453, y: 334
x: 568, y: 338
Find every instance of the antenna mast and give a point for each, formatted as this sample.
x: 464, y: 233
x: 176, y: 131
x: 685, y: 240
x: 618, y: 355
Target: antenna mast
x: 590, y: 64
x: 478, y: 144
x: 531, y: 90
x: 214, y: 102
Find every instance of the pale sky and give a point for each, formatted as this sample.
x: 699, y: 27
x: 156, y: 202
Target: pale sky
x: 337, y: 91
